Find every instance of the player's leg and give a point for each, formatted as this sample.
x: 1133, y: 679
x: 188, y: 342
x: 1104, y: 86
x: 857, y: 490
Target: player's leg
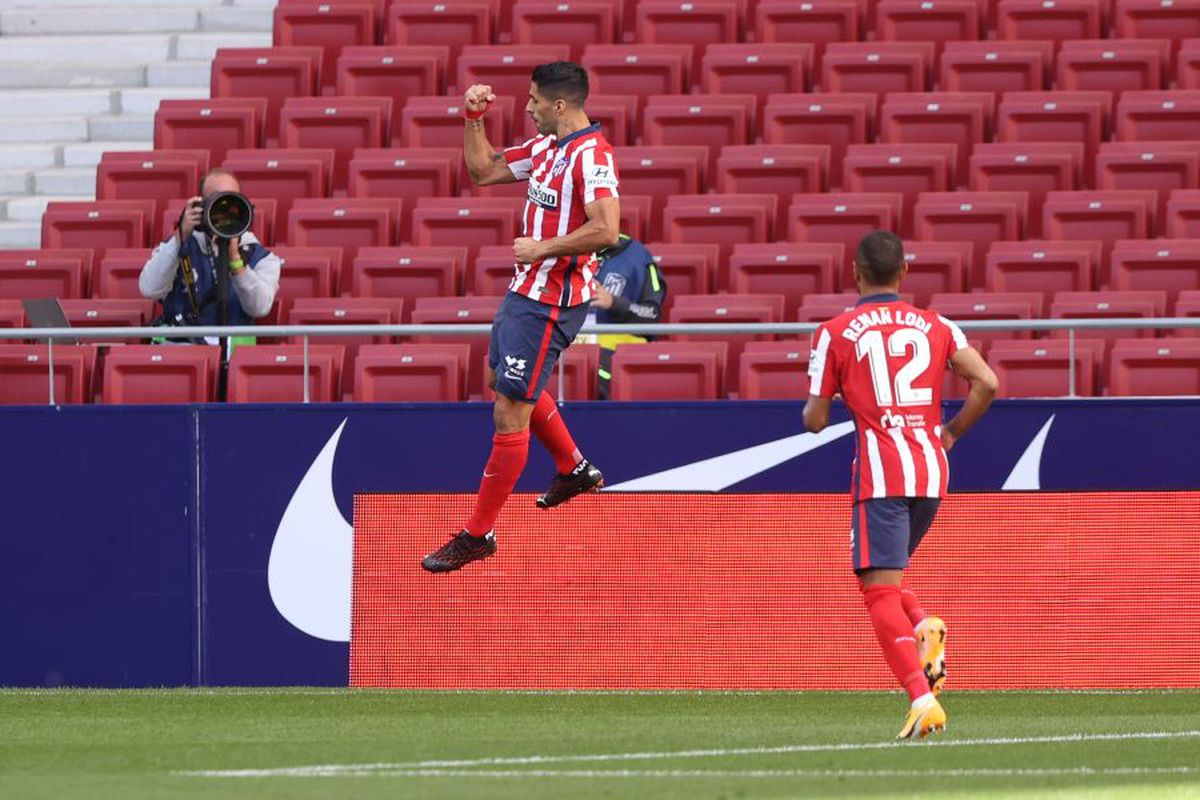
x: 930, y: 630
x: 879, y: 543
x: 574, y: 473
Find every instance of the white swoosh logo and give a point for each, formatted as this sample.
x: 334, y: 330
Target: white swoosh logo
x: 310, y: 570
x: 1027, y: 474
x: 714, y: 474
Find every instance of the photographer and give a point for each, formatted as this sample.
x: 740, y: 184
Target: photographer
x: 182, y: 271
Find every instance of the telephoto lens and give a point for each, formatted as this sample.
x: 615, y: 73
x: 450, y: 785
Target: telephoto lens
x: 227, y: 215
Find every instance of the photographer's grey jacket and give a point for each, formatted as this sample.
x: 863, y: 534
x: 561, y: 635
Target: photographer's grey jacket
x: 253, y: 289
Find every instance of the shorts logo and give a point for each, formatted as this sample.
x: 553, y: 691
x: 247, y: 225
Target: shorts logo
x: 515, y: 368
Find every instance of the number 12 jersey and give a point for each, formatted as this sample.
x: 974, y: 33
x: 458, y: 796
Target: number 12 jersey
x: 888, y: 358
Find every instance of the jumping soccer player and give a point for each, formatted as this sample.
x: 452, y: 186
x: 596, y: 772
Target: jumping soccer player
x: 571, y: 212
x: 887, y: 359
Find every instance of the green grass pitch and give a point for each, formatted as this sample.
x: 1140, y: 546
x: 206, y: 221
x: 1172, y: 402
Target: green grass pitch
x: 308, y: 743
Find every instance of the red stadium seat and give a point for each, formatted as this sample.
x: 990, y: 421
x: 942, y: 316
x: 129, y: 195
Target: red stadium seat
x: 1035, y: 168
x: 987, y: 305
x: 217, y: 125
x: 978, y: 217
x: 159, y: 176
x: 405, y: 172
x: 659, y: 172
x: 1101, y: 216
x: 281, y: 175
x: 437, y: 122
x: 697, y: 23
x: 395, y: 72
x: 843, y: 217
x: 308, y: 271
x: 345, y: 311
x: 160, y: 375
x: 790, y: 270
x: 721, y: 219
x: 933, y: 268
x: 460, y: 311
x: 25, y: 374
x: 330, y: 26
x: 97, y: 226
x: 44, y: 274
x: 491, y: 271
x: 1039, y: 367
x: 758, y: 69
x: 406, y: 373
x: 116, y: 275
x: 779, y: 169
x: 109, y: 313
x: 575, y: 23
x: 904, y: 169
x: 774, y: 371
x: 1188, y: 64
x: 407, y: 273
x: 823, y: 119
x: 275, y: 373
x: 1183, y: 214
x: 995, y: 66
x: 1188, y: 305
x: 637, y: 215
x: 507, y: 69
x: 1103, y: 305
x: 925, y: 21
x: 273, y: 73
x: 1155, y: 367
x: 1113, y: 65
x: 349, y: 223
x: 13, y: 261
x: 688, y: 268
x: 1042, y: 266
x: 958, y: 118
x: 713, y: 120
x: 12, y: 315
x: 641, y: 70
x: 879, y: 67
x: 1054, y: 117
x: 1158, y: 116
x: 1049, y: 20
x: 818, y: 22
x: 1160, y: 166
x: 822, y: 307
x: 669, y: 371
x: 617, y: 115
x: 744, y: 308
x: 1169, y: 265
x: 465, y: 222
x: 341, y: 124
x: 1157, y: 19
x: 453, y: 25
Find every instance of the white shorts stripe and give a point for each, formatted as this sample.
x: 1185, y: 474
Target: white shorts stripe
x: 934, y: 489
x: 878, y: 481
x: 906, y: 461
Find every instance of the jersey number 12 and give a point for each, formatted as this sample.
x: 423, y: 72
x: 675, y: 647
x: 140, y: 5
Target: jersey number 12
x: 871, y: 346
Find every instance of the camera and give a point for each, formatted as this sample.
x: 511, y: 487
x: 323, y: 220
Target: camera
x: 226, y: 215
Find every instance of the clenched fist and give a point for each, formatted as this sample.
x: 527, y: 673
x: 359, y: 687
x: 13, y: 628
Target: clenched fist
x: 478, y: 99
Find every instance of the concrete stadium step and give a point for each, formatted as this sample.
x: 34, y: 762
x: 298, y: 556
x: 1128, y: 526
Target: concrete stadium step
x: 15, y: 182
x: 204, y: 46
x: 26, y: 5
x: 48, y: 129
x: 145, y: 101
x: 30, y: 156
x: 93, y: 20
x: 88, y: 154
x: 20, y: 234
x: 31, y: 208
x: 179, y: 73
x: 25, y: 103
x: 68, y: 181
x: 120, y: 127
x: 238, y: 18
x: 107, y: 50
x: 70, y: 76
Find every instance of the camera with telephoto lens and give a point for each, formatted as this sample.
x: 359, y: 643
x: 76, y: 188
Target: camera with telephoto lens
x: 226, y: 215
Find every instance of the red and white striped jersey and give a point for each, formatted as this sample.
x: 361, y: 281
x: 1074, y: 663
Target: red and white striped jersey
x: 887, y: 359
x: 564, y: 177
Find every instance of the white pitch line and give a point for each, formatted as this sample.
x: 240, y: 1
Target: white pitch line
x: 779, y: 773
x: 362, y: 769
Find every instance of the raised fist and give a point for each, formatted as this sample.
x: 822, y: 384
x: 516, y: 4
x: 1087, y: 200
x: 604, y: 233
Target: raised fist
x: 478, y: 98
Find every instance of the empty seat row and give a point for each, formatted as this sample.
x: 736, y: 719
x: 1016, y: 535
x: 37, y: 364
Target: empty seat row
x: 659, y: 371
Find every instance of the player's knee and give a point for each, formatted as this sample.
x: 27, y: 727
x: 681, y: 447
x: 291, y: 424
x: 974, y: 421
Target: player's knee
x: 510, y: 416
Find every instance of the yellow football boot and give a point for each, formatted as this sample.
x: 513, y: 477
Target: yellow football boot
x: 931, y: 648
x: 920, y: 722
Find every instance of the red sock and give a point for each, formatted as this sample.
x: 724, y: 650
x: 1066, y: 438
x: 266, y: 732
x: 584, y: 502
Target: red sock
x: 550, y: 429
x: 896, y: 638
x: 509, y: 451
x: 912, y: 606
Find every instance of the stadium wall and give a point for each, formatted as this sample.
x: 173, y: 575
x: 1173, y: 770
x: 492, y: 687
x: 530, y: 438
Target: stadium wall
x: 210, y: 545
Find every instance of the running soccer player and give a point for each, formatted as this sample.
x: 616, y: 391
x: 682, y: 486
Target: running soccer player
x: 887, y: 359
x: 571, y: 211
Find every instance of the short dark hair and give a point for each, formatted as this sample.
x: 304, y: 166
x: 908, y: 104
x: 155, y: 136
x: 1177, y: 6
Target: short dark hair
x: 562, y: 80
x: 880, y: 257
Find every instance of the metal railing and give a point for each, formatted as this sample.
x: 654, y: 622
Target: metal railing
x: 482, y: 329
